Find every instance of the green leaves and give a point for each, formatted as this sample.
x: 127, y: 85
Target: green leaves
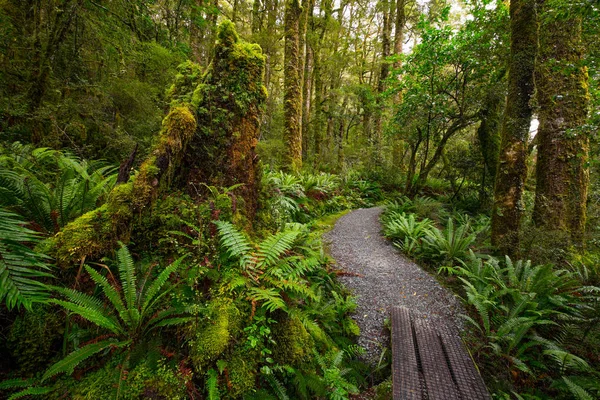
x: 21, y: 268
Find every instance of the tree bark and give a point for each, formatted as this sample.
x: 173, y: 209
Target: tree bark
x: 512, y: 169
x: 562, y: 176
x: 292, y: 83
x: 383, y: 74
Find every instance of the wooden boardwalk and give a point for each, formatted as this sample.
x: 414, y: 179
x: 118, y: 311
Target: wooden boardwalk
x: 429, y: 362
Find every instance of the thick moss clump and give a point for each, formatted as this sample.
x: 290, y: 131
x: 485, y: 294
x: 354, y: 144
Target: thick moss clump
x: 214, y: 334
x: 186, y: 81
x: 294, y: 343
x: 96, y: 233
x: 241, y: 374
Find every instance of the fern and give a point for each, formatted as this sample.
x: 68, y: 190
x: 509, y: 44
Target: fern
x: 270, y: 298
x: 576, y: 390
x: 277, y: 386
x: 235, y: 243
x: 270, y: 250
x: 212, y: 385
x: 131, y: 315
x: 21, y: 269
x: 32, y: 391
x: 52, y: 200
x: 68, y: 364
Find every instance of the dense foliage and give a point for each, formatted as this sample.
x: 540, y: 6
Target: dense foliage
x: 167, y: 168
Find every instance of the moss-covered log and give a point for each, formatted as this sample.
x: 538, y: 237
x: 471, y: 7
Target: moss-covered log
x: 562, y: 93
x: 512, y: 169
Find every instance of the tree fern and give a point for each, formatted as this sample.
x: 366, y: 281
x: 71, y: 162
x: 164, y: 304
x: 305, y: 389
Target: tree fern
x: 21, y: 269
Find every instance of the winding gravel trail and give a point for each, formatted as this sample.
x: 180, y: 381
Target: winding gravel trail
x: 381, y: 277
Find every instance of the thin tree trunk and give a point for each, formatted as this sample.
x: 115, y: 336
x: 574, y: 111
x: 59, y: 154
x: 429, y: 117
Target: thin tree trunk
x: 292, y: 82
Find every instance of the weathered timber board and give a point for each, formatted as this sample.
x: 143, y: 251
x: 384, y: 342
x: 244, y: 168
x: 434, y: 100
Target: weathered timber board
x: 430, y: 362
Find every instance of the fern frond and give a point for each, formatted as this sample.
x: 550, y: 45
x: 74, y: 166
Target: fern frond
x: 128, y: 278
x: 111, y: 293
x: 20, y: 267
x: 271, y: 249
x: 97, y: 317
x: 277, y: 386
x: 576, y: 390
x: 68, y: 364
x: 235, y: 243
x: 270, y: 298
x: 32, y: 391
x: 212, y: 385
x: 154, y: 289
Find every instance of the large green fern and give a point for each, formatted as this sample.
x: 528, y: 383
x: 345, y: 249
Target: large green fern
x: 51, y: 200
x: 21, y: 268
x: 131, y: 310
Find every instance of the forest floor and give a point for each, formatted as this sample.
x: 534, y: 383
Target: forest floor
x: 381, y: 277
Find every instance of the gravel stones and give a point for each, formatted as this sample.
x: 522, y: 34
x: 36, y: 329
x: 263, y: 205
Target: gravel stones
x: 381, y: 277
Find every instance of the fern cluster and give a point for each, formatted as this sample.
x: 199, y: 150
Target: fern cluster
x: 51, y: 200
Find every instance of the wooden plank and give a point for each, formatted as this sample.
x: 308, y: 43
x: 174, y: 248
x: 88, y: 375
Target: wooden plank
x: 467, y: 378
x: 406, y: 384
x: 438, y: 379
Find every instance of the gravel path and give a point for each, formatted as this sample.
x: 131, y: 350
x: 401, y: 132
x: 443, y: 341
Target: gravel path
x: 381, y: 277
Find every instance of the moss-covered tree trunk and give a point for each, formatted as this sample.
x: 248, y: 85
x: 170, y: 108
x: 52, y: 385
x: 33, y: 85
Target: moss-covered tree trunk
x: 293, y: 91
x: 512, y: 169
x: 562, y: 92
x: 307, y: 76
x: 384, y: 71
x: 488, y: 135
x: 208, y: 139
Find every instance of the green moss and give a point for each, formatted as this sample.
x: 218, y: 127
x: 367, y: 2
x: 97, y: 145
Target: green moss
x: 90, y: 235
x: 213, y: 336
x: 33, y: 339
x: 241, y: 372
x: 188, y: 77
x: 383, y: 391
x: 164, y: 381
x: 294, y: 343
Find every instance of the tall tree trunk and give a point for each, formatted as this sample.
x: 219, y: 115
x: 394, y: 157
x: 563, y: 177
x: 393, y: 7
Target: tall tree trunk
x: 292, y: 83
x: 562, y: 176
x: 305, y: 46
x: 512, y: 170
x: 383, y: 74
x: 399, y: 39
